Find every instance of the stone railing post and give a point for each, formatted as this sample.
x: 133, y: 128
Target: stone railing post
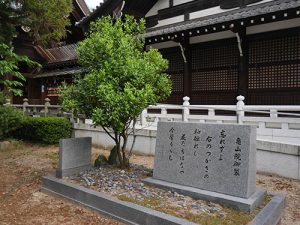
x: 81, y: 120
x: 273, y: 113
x: 25, y: 105
x: 211, y: 112
x: 143, y: 119
x: 47, y: 104
x: 240, y: 109
x: 72, y: 118
x: 186, y: 110
x: 7, y: 102
x: 164, y: 111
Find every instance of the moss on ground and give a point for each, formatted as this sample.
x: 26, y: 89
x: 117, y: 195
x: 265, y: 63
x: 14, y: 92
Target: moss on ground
x: 230, y: 216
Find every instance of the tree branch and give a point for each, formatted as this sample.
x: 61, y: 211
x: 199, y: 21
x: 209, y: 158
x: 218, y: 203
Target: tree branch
x: 133, y: 141
x: 106, y: 131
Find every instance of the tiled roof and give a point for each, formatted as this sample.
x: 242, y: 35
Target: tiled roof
x: 250, y: 11
x: 61, y: 72
x: 58, y: 54
x: 82, y: 4
x: 92, y: 14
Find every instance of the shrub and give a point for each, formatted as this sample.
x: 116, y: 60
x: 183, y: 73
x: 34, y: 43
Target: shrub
x: 47, y: 130
x: 2, y: 99
x: 10, y: 120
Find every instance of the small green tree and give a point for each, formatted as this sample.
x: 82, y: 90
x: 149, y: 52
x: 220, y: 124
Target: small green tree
x: 9, y: 62
x: 121, y: 81
x: 11, y: 16
x: 45, y: 20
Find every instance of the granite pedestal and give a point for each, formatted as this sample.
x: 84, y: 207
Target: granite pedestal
x: 215, y: 162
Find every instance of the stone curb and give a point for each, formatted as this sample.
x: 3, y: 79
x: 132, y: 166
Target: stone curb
x: 133, y: 214
x: 271, y: 213
x: 242, y: 204
x: 123, y: 211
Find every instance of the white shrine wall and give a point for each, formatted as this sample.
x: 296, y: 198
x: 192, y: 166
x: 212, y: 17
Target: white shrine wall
x: 176, y: 19
x: 179, y: 2
x: 162, y: 4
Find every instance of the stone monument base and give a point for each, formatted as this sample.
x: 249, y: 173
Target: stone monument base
x: 242, y: 204
x: 72, y: 171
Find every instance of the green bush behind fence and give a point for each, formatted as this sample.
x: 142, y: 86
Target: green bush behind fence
x: 10, y: 120
x: 47, y: 130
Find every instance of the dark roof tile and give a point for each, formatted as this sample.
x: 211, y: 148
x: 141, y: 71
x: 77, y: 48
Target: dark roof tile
x: 250, y: 11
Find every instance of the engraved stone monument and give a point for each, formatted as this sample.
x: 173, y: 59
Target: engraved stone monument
x: 216, y: 160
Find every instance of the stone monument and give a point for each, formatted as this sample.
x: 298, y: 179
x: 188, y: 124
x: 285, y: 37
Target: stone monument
x: 215, y: 162
x: 74, y: 156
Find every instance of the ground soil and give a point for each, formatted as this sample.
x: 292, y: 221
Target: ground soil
x: 21, y: 202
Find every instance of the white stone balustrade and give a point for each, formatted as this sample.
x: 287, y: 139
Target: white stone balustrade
x: 274, y: 122
x: 38, y: 110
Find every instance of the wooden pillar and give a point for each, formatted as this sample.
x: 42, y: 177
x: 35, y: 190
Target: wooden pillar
x: 187, y: 68
x: 243, y: 64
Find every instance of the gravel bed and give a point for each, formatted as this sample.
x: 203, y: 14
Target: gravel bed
x: 128, y: 183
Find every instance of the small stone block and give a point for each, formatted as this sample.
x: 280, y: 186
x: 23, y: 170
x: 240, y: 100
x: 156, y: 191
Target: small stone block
x: 74, y: 156
x: 242, y: 204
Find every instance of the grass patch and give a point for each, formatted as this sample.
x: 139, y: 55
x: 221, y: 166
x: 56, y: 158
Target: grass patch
x: 229, y: 217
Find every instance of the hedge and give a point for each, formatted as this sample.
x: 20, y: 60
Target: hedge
x: 10, y: 120
x: 48, y: 130
x: 2, y: 99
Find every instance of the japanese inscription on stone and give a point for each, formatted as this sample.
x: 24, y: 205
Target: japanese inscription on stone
x: 214, y: 157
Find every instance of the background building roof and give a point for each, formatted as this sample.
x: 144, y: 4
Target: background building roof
x: 237, y: 14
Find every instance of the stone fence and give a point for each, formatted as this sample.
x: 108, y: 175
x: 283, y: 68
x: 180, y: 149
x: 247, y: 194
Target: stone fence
x: 274, y: 122
x: 38, y: 110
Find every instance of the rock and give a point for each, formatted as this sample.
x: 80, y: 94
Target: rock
x: 113, y: 158
x: 100, y: 161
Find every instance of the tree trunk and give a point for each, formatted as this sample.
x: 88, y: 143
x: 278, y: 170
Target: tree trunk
x: 113, y: 158
x: 125, y: 160
x: 117, y: 154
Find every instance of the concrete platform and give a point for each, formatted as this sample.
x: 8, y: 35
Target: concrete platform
x: 126, y: 212
x: 242, y: 204
x: 130, y: 213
